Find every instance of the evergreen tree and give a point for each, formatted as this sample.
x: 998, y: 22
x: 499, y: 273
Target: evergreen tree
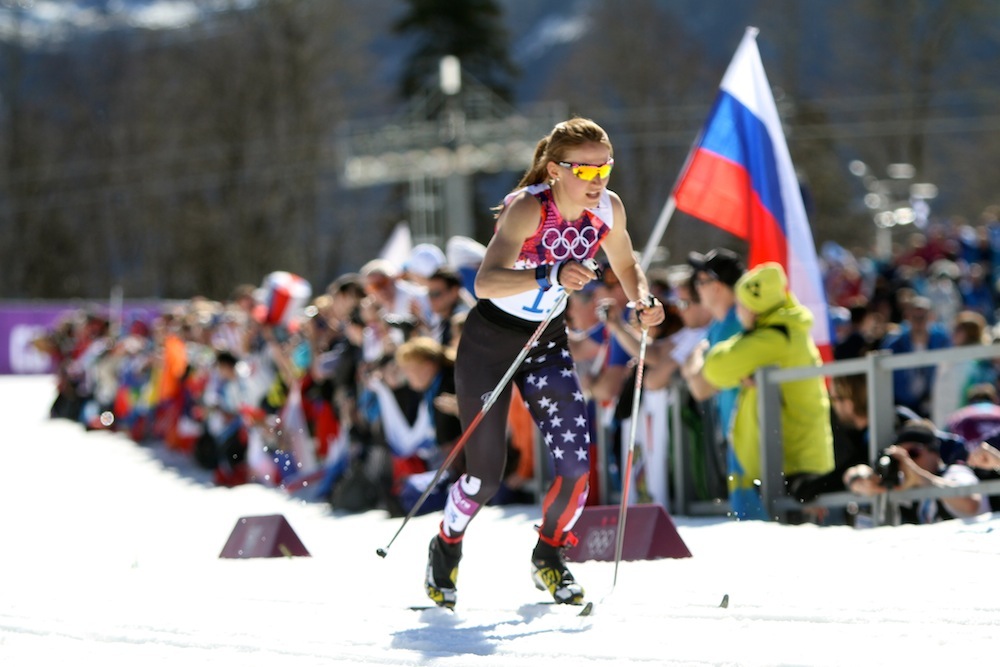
x: 471, y: 30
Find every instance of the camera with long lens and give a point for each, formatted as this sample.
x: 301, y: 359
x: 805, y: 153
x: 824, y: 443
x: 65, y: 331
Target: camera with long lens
x: 887, y: 469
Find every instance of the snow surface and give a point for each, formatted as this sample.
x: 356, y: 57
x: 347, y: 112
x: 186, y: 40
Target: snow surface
x: 109, y: 556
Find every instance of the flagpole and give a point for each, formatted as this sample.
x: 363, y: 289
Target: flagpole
x: 668, y: 209
x: 658, y: 230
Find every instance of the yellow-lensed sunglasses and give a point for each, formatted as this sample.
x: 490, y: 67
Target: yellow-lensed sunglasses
x: 588, y: 172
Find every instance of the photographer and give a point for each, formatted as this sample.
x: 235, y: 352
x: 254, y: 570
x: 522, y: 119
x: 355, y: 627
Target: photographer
x: 608, y: 374
x: 985, y: 458
x: 403, y: 304
x: 914, y: 460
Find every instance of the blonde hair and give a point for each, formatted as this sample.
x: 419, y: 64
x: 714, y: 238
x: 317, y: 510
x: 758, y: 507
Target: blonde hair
x: 973, y: 326
x: 552, y: 148
x: 424, y: 348
x: 322, y: 301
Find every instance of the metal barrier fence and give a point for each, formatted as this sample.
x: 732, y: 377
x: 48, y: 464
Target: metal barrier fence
x: 878, y: 368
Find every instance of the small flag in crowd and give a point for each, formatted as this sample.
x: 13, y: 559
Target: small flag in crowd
x: 739, y: 177
x: 283, y: 297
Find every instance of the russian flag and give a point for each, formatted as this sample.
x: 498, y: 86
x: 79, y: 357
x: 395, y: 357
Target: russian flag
x: 740, y: 177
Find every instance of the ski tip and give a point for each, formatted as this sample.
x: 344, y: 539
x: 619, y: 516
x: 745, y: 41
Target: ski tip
x: 431, y: 607
x: 725, y: 601
x: 587, y: 609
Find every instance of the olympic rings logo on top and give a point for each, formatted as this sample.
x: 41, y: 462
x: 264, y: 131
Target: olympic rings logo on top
x: 570, y: 242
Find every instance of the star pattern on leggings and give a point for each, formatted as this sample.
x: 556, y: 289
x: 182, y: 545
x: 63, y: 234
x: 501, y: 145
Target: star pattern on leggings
x: 565, y: 439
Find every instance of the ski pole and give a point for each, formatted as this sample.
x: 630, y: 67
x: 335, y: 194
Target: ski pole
x: 627, y: 477
x: 490, y: 400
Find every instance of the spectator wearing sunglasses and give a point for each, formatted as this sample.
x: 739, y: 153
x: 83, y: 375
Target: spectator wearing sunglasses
x: 547, y: 232
x: 669, y: 345
x: 712, y: 284
x: 712, y: 281
x: 917, y: 449
x: 444, y: 290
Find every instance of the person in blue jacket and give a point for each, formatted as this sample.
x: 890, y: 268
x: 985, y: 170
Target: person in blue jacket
x: 917, y: 332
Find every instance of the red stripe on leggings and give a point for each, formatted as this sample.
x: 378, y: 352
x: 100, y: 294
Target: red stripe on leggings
x: 572, y: 507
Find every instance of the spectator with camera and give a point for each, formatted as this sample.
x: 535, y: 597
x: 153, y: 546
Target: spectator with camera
x: 984, y: 458
x: 608, y: 374
x: 670, y: 343
x: 652, y: 433
x: 403, y: 304
x: 912, y: 461
x: 586, y: 330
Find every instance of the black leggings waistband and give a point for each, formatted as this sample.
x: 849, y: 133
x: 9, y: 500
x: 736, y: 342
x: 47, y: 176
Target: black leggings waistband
x: 501, y: 318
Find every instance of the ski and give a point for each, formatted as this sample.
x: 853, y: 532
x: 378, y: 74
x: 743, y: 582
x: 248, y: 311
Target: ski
x: 586, y: 610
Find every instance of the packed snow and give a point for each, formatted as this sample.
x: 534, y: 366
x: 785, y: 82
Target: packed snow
x: 110, y: 556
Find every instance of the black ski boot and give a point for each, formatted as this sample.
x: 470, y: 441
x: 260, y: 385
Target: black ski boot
x: 442, y: 571
x: 550, y: 573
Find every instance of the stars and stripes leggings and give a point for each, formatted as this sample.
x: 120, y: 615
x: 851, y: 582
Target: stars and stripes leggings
x: 549, y: 385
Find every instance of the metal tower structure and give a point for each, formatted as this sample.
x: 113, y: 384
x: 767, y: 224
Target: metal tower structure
x: 445, y: 135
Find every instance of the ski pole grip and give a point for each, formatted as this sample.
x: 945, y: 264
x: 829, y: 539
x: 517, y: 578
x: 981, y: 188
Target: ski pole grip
x: 592, y: 264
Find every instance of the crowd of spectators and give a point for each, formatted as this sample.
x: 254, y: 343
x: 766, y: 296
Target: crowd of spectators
x: 350, y: 396
x: 347, y: 395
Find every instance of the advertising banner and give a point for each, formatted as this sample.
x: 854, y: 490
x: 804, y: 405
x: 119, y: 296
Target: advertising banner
x: 22, y: 323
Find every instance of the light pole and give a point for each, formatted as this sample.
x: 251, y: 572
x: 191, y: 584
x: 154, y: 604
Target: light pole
x: 895, y: 200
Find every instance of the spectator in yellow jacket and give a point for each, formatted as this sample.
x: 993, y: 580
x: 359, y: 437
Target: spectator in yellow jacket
x: 777, y: 333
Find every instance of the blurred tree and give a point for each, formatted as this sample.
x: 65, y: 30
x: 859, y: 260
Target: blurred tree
x: 907, y: 44
x: 636, y: 75
x: 176, y: 162
x: 185, y: 161
x: 18, y: 225
x: 471, y: 30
